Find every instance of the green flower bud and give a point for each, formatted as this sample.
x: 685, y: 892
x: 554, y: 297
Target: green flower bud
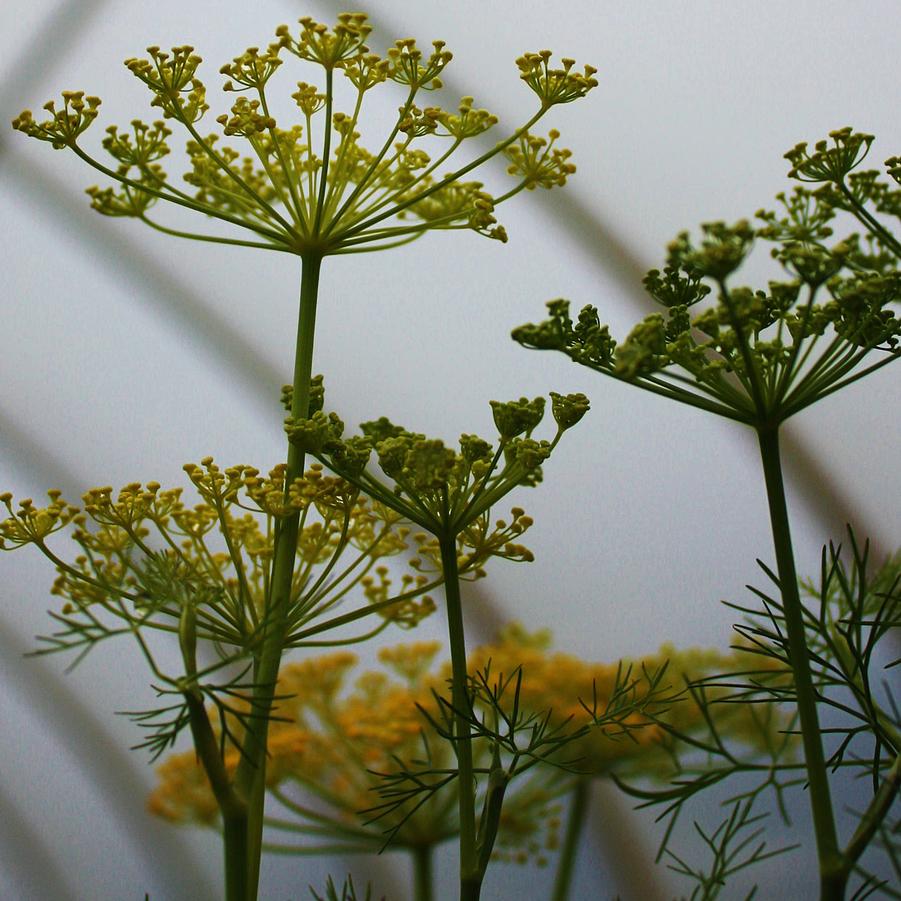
x: 811, y: 264
x: 674, y: 288
x: 860, y: 312
x: 313, y: 434
x: 830, y: 164
x: 678, y: 322
x: 351, y: 456
x: 393, y: 454
x: 317, y: 395
x: 474, y: 449
x: 808, y: 214
x: 893, y: 167
x: 517, y: 416
x: 527, y: 452
x: 644, y: 351
x: 547, y: 335
x: 568, y: 409
x: 428, y: 464
x: 722, y: 250
x: 380, y: 429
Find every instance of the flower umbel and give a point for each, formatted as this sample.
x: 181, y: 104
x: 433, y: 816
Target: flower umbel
x: 448, y: 492
x: 147, y: 561
x: 310, y: 186
x: 760, y: 356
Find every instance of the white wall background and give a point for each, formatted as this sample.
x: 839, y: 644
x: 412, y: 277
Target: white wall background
x: 126, y: 353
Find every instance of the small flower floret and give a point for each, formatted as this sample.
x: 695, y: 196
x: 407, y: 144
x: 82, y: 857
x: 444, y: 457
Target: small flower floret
x: 407, y: 66
x: 829, y: 162
x: 555, y: 85
x: 538, y: 163
x: 329, y: 47
x: 65, y: 125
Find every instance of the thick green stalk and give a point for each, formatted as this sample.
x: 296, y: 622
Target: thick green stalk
x: 833, y: 874
x: 422, y: 872
x: 575, y: 823
x: 470, y: 875
x: 251, y: 775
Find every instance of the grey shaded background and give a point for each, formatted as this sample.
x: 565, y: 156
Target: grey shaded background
x: 126, y: 353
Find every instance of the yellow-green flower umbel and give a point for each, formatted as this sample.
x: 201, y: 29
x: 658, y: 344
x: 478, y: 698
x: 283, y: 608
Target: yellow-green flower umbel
x: 310, y: 185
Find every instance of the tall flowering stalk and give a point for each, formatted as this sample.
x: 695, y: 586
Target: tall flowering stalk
x: 759, y: 357
x: 308, y: 188
x: 450, y: 494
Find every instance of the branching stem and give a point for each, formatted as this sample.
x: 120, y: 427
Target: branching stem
x: 233, y: 809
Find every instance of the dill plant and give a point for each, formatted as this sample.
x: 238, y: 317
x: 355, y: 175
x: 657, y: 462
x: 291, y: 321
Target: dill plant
x: 259, y: 564
x: 759, y: 357
x: 308, y: 188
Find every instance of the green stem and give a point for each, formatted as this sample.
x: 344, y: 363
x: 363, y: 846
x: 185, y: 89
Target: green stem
x: 755, y: 390
x: 862, y: 214
x: 833, y: 874
x: 490, y: 823
x: 214, y: 239
x: 326, y: 153
x: 575, y: 823
x: 657, y: 385
x: 422, y: 872
x: 234, y: 837
x: 233, y: 809
x: 250, y: 779
x: 874, y: 815
x: 470, y: 877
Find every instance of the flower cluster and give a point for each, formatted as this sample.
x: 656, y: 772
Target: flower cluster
x: 555, y: 85
x: 311, y: 187
x: 65, y: 125
x: 538, y: 162
x: 446, y: 491
x: 829, y: 163
x: 751, y: 356
x: 149, y: 560
x: 31, y: 525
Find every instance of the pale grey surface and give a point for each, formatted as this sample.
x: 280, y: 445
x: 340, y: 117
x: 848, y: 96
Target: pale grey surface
x: 650, y: 512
